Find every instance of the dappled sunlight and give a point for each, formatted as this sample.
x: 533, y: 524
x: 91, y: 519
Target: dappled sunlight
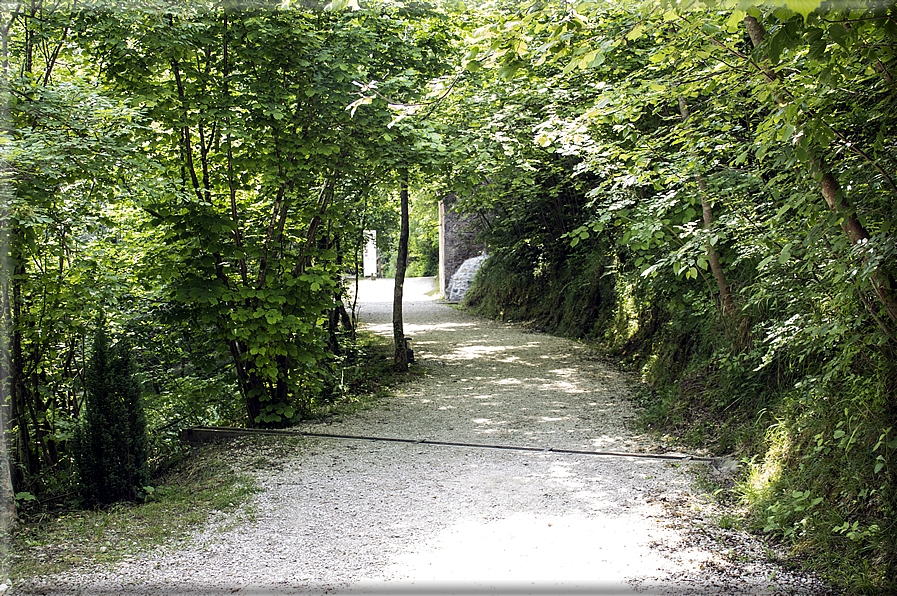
x: 545, y: 519
x: 601, y: 546
x: 604, y: 442
x: 609, y: 493
x: 566, y: 520
x: 430, y: 328
x: 564, y: 386
x: 385, y: 329
x: 487, y: 421
x: 561, y: 470
x: 514, y: 388
x: 488, y: 426
x: 472, y: 352
x: 565, y: 372
x: 515, y: 360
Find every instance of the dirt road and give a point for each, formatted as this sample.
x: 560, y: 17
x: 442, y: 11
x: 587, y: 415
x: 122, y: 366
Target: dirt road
x: 368, y: 517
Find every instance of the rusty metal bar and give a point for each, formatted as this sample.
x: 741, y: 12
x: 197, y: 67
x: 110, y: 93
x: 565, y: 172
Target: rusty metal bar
x: 200, y: 434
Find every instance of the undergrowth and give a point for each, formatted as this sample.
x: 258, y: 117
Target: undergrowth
x: 188, y: 487
x: 184, y: 497
x: 362, y: 375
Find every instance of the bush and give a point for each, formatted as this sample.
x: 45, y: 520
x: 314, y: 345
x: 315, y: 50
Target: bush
x: 111, y: 440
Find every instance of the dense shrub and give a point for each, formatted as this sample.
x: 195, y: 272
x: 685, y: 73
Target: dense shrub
x: 111, y: 441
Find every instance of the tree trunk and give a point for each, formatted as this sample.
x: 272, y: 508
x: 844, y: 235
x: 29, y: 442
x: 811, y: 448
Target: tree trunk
x: 401, y: 355
x: 7, y: 493
x: 25, y: 458
x: 727, y: 303
x: 346, y: 320
x: 250, y: 384
x: 7, y: 378
x: 7, y: 395
x: 882, y: 283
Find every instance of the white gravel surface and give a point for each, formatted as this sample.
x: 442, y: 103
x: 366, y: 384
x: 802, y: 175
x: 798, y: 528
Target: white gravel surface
x: 341, y: 516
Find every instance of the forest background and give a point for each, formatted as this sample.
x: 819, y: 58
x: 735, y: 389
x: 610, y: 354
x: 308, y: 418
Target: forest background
x: 704, y: 189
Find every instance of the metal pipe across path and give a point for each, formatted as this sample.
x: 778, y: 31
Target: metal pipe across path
x: 201, y: 434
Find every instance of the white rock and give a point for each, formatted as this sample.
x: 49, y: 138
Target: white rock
x: 463, y: 278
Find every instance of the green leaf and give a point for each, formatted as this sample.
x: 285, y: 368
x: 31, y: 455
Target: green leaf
x: 775, y: 48
x: 586, y: 60
x: 734, y: 21
x: 817, y: 50
x: 839, y: 34
x: 508, y: 70
x: 636, y: 32
x: 783, y: 13
x: 785, y: 255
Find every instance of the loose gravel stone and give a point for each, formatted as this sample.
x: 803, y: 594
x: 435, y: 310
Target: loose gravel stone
x: 340, y: 516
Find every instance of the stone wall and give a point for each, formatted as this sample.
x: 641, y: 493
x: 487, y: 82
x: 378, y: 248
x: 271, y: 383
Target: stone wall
x: 457, y: 240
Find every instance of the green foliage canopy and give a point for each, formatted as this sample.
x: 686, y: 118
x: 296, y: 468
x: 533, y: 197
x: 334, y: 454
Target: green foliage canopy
x: 246, y: 110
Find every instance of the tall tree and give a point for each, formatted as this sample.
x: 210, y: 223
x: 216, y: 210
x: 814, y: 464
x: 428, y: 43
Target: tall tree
x: 835, y: 197
x: 64, y: 152
x: 727, y: 302
x: 250, y: 118
x: 398, y: 331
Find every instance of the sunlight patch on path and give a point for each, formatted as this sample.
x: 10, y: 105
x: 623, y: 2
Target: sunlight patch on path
x: 538, y: 553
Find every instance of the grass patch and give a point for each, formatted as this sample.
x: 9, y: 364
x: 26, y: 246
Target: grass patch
x: 184, y: 499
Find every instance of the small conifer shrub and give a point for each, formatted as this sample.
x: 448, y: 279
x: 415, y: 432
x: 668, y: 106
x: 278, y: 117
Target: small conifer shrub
x: 111, y: 443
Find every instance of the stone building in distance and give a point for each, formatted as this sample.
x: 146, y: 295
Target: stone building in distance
x: 457, y: 239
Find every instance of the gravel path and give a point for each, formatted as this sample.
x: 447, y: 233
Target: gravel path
x: 361, y: 517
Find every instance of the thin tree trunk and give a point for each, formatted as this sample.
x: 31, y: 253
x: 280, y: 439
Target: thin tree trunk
x: 18, y: 416
x: 324, y: 199
x: 7, y: 393
x: 231, y: 182
x: 346, y: 320
x: 7, y: 376
x: 398, y: 332
x: 358, y: 248
x: 727, y: 302
x: 882, y: 283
